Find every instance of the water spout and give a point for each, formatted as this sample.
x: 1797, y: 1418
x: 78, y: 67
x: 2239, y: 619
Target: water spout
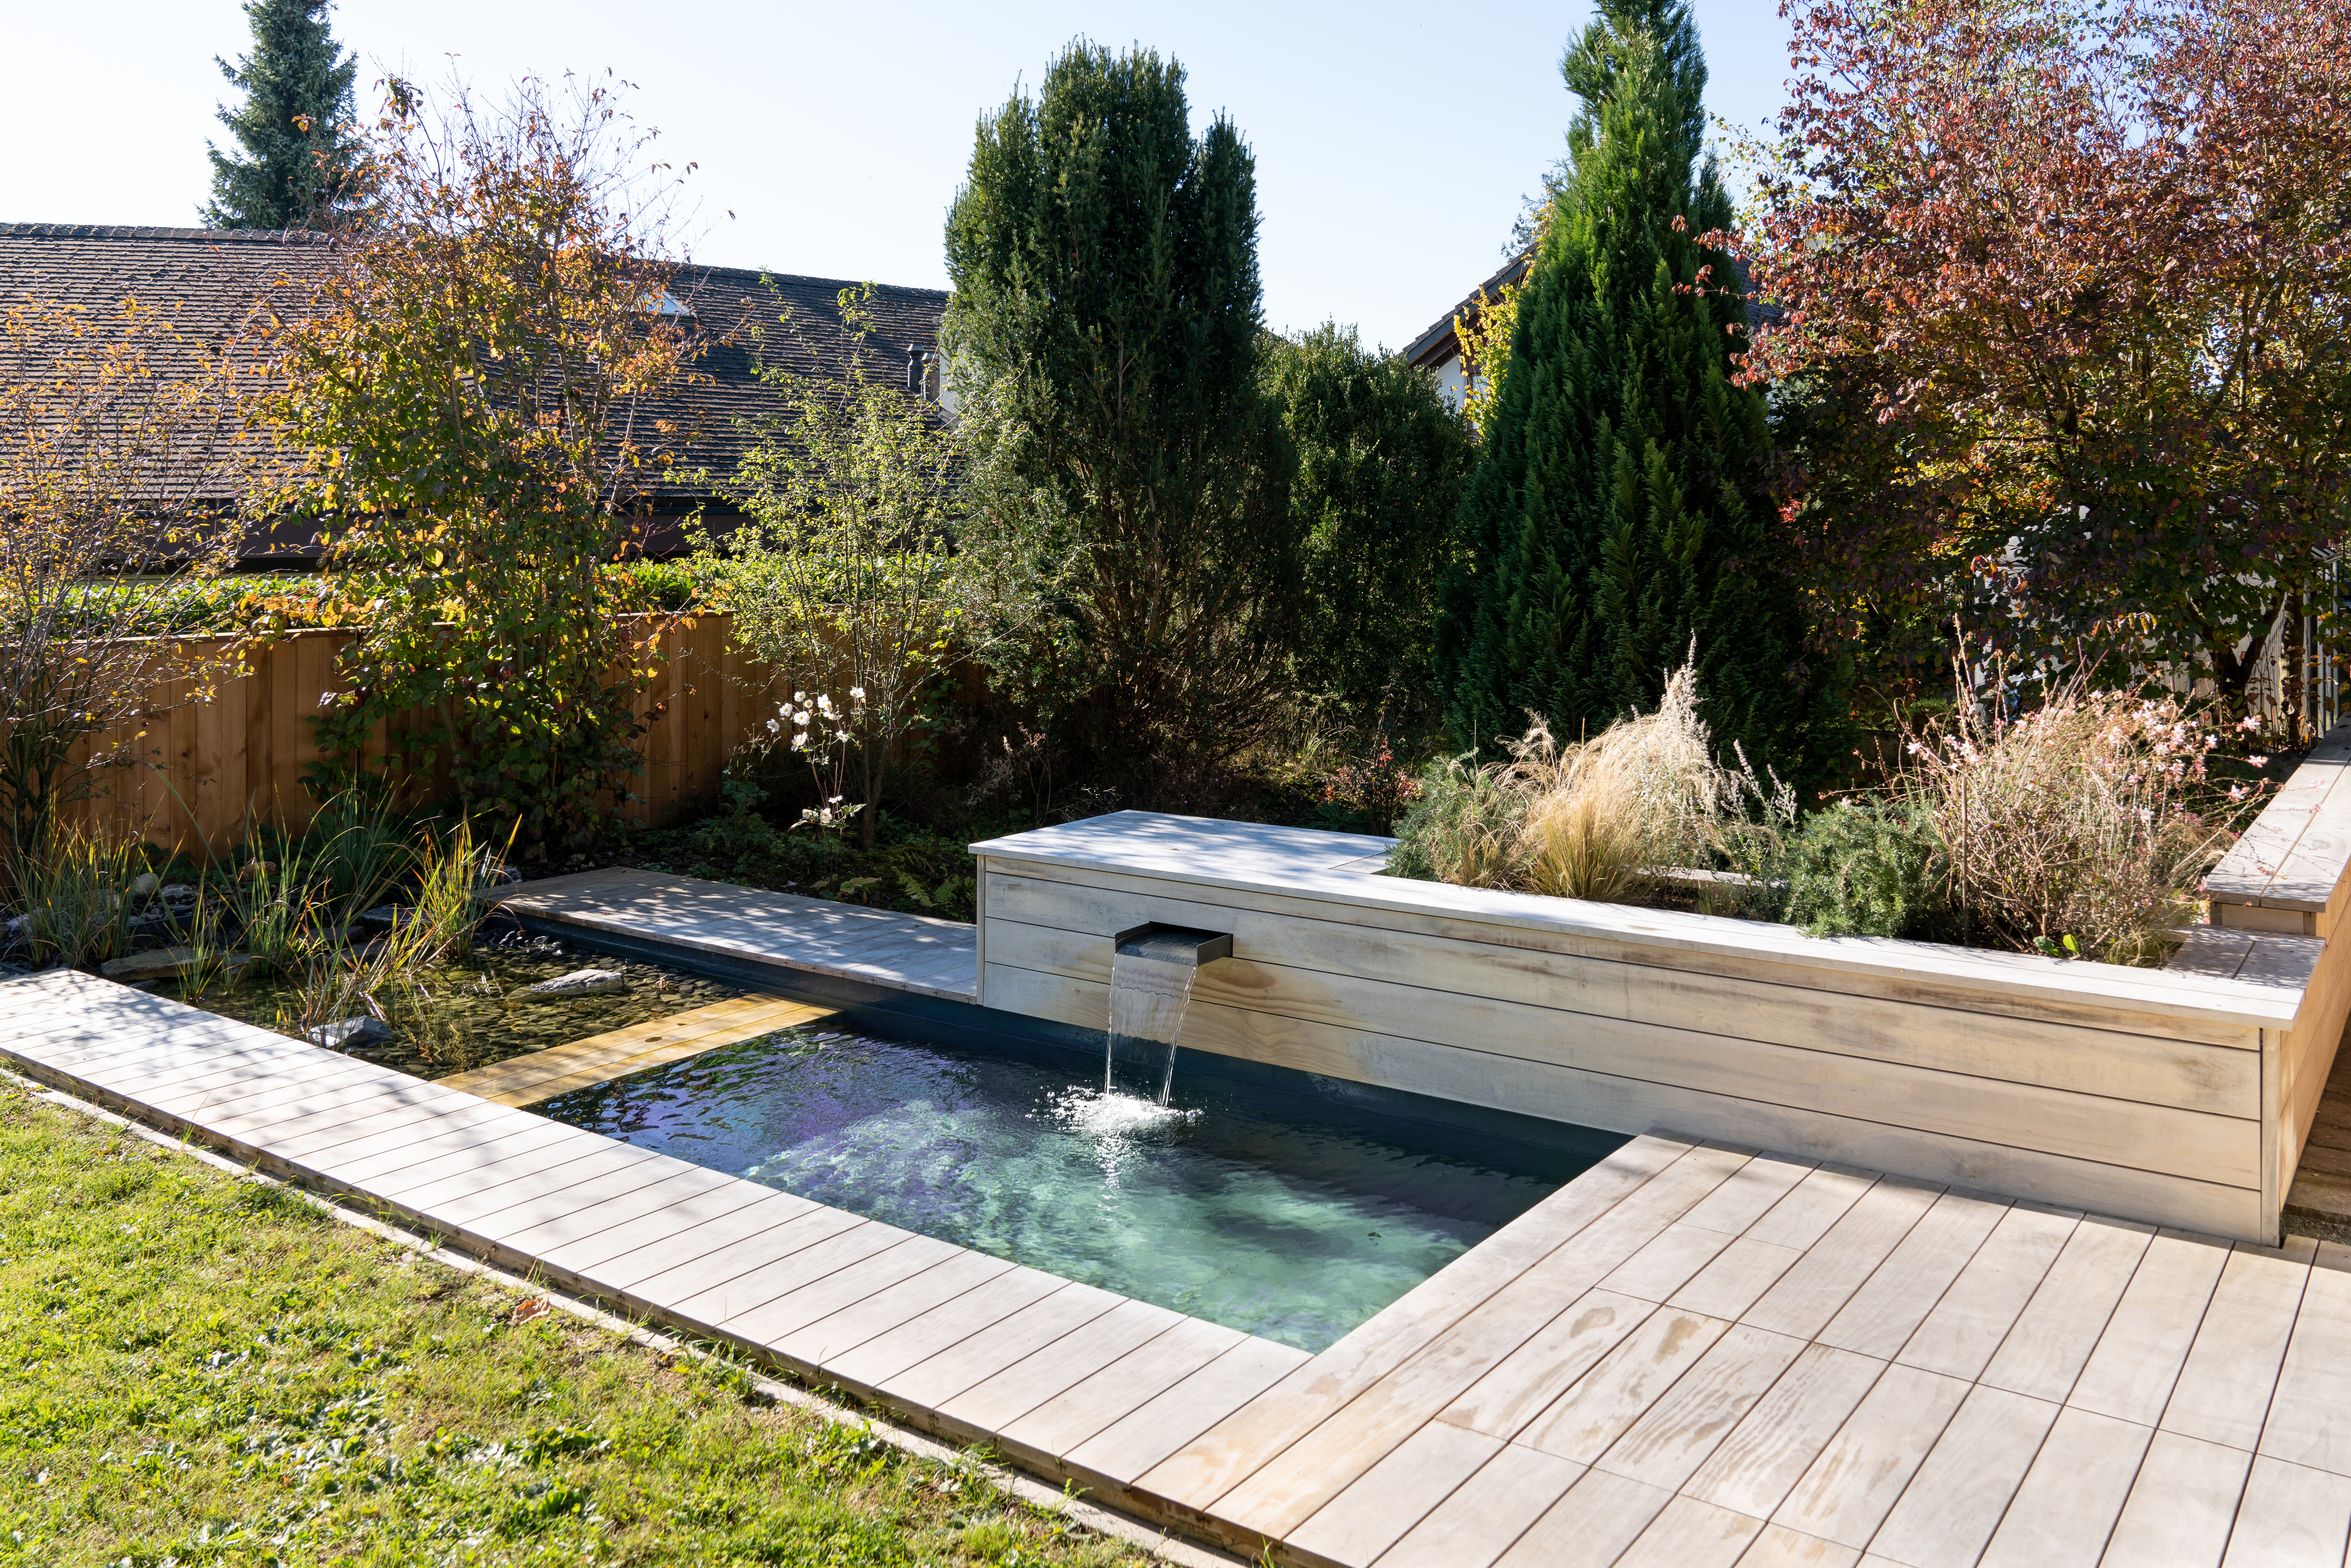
x: 1152, y: 968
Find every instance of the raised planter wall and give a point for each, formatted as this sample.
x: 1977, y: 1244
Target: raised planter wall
x: 2178, y: 1096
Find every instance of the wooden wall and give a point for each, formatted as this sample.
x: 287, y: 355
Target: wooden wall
x: 2130, y: 1108
x: 210, y: 761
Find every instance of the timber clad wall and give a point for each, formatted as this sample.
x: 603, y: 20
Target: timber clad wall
x: 250, y: 744
x: 2153, y: 1094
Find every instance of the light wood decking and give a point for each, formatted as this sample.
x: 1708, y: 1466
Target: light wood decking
x: 639, y: 1048
x: 898, y: 952
x: 1691, y: 1355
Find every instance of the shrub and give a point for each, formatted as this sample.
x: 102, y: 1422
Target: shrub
x: 1463, y: 828
x: 1867, y: 868
x: 2090, y: 818
x: 1607, y: 819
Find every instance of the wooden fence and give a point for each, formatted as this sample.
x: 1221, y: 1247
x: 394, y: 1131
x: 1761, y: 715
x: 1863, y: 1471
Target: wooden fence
x: 212, y: 764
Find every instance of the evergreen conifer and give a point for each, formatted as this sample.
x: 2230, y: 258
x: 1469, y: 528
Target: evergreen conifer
x: 1614, y: 516
x: 294, y: 127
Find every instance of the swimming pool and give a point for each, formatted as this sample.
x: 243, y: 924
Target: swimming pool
x: 1267, y: 1202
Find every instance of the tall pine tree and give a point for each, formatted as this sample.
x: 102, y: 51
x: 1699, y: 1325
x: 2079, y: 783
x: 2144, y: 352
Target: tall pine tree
x: 294, y: 127
x: 1615, y: 512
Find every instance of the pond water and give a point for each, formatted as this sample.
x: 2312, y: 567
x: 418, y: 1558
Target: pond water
x: 1276, y: 1212
x: 459, y: 1015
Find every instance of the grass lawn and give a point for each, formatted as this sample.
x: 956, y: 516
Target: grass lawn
x: 199, y: 1369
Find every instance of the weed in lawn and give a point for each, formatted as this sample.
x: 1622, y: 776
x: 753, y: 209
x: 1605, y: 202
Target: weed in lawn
x: 212, y: 1371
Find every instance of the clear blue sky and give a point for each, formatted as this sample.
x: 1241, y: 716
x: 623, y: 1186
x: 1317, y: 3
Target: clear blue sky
x: 1394, y: 142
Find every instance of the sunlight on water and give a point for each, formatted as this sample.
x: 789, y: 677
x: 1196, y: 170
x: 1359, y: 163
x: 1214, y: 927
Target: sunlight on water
x: 1273, y: 1213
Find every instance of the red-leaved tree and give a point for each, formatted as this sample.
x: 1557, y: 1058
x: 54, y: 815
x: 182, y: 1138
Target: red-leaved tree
x: 2059, y: 337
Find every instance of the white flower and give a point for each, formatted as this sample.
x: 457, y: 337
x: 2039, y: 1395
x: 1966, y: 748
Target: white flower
x: 800, y: 696
x: 2258, y: 761
x: 857, y: 692
x: 773, y: 728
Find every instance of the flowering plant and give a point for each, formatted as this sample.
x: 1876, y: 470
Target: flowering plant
x: 824, y: 734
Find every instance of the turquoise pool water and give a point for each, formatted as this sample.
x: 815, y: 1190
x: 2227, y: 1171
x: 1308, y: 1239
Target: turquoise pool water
x: 1272, y: 1211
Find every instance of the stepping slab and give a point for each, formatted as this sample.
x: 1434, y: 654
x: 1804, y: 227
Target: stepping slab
x: 579, y: 983
x: 175, y: 964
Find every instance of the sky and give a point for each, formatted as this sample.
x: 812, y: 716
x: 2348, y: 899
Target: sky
x: 1394, y: 143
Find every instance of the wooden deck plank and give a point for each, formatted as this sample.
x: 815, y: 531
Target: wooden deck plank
x: 2182, y: 1506
x: 1946, y: 1514
x: 934, y: 1382
x: 1735, y: 1279
x: 996, y: 1403
x: 1527, y: 1381
x: 1605, y: 1401
x: 1758, y: 1187
x: 1879, y: 1318
x: 1679, y: 1432
x: 2131, y: 1372
x: 596, y: 1250
x: 1667, y: 1262
x: 619, y: 1185
x: 1967, y: 1326
x: 2223, y: 1392
x: 773, y: 1323
x: 738, y: 1293
x: 1850, y: 1488
x: 1387, y: 1501
x: 1688, y: 1533
x: 388, y: 1169
x: 1817, y: 1289
x: 2309, y: 1421
x: 874, y: 1361
x: 1175, y: 1418
x: 2065, y: 1509
x: 2045, y: 1352
x: 459, y: 1201
x: 498, y: 1157
x: 664, y: 1209
x: 1485, y: 1514
x: 1762, y: 1459
x: 697, y: 1264
x: 1590, y: 1526
x: 1212, y: 1463
x: 660, y: 1261
x: 2291, y: 1516
x: 1083, y: 1409
x: 1779, y: 1547
x: 621, y: 1054
x: 822, y: 1342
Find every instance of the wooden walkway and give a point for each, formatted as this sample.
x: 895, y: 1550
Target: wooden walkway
x: 1691, y: 1355
x: 880, y: 947
x: 639, y: 1048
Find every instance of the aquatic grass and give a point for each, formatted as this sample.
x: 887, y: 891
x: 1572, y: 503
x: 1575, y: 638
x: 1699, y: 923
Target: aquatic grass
x: 208, y: 1370
x: 70, y: 891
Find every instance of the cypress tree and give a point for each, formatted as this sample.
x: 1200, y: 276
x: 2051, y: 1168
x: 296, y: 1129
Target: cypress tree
x: 294, y: 127
x: 1614, y: 514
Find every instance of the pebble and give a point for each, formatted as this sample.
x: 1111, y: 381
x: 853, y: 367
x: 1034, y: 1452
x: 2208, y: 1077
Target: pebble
x: 346, y: 1034
x: 579, y: 983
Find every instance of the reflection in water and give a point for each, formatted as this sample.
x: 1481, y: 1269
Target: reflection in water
x: 1275, y: 1213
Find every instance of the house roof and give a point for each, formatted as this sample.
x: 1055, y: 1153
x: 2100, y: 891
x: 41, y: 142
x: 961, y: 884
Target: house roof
x: 1439, y: 344
x: 216, y: 285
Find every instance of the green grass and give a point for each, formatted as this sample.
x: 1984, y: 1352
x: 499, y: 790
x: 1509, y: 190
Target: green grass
x: 196, y: 1369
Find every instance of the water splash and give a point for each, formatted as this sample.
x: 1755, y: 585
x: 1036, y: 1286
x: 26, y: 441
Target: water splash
x: 1148, y: 993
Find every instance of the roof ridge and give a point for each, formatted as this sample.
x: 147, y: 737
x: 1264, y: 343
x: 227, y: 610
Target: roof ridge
x: 141, y: 231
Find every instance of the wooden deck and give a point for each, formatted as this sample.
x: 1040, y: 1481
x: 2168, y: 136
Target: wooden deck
x: 639, y: 1048
x: 816, y: 935
x: 1691, y: 1355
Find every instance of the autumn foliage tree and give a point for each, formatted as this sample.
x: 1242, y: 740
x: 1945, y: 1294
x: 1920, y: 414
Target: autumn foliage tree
x: 2059, y: 341
x: 477, y: 391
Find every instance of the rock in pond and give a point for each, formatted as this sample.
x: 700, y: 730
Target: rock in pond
x: 579, y: 983
x: 175, y: 964
x: 346, y: 1034
x: 142, y: 886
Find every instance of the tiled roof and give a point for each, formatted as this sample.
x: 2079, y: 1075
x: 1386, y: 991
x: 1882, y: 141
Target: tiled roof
x: 213, y: 285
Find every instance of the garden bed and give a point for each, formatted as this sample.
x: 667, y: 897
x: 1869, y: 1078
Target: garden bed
x: 2179, y: 1095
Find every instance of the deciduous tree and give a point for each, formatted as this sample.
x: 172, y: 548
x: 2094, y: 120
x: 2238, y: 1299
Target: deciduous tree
x: 476, y: 391
x: 2061, y: 293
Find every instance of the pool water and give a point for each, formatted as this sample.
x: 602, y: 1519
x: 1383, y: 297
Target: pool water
x: 1280, y: 1213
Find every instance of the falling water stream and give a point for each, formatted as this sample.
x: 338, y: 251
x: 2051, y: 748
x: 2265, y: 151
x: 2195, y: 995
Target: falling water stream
x: 1151, y: 979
